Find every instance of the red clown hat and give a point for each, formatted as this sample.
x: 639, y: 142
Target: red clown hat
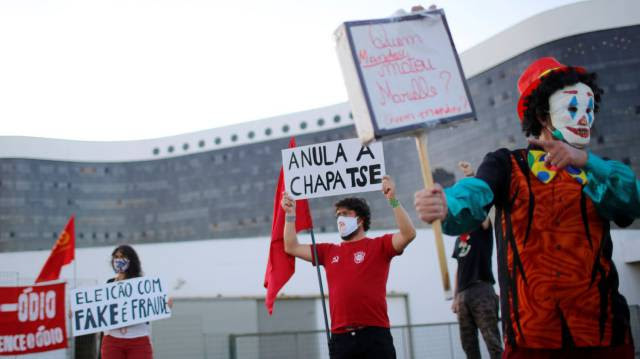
x: 533, y: 75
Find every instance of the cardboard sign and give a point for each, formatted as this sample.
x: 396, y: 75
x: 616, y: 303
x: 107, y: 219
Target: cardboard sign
x: 333, y: 168
x: 118, y: 304
x: 32, y: 319
x: 402, y: 74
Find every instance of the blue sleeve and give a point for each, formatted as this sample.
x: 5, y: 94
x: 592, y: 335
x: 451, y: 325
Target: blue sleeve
x: 470, y: 199
x: 467, y: 203
x: 613, y: 188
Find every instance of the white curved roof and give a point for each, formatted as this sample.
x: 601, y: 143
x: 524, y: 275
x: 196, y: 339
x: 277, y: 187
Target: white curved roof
x: 574, y: 19
x: 139, y: 150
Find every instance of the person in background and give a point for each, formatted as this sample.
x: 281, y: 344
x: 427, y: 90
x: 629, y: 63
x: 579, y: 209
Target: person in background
x: 133, y: 341
x: 475, y: 301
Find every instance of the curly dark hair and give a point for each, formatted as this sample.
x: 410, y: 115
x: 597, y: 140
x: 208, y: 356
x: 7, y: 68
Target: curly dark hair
x: 537, y: 103
x: 135, y: 266
x: 358, y: 205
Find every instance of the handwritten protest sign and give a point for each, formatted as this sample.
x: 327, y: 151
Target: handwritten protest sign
x: 403, y: 77
x: 32, y: 319
x: 118, y: 304
x: 333, y: 168
x: 402, y: 74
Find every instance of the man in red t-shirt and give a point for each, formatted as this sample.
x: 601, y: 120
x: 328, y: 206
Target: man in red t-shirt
x: 357, y: 271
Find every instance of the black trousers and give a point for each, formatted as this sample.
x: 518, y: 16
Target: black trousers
x: 365, y: 343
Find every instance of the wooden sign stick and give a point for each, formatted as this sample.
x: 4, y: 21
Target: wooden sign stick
x: 421, y: 143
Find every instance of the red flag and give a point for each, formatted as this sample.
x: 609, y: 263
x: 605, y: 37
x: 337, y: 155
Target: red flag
x: 281, y: 266
x: 63, y: 253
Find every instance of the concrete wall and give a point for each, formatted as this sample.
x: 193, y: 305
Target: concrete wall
x: 235, y: 268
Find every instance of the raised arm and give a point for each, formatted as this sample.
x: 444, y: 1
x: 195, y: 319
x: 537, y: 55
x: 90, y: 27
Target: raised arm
x: 291, y: 245
x: 406, y: 232
x: 464, y: 206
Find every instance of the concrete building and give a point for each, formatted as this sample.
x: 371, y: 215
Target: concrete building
x: 198, y: 206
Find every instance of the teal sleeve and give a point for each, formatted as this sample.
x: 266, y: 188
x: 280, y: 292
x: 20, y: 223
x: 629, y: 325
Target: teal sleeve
x: 467, y: 203
x: 613, y: 188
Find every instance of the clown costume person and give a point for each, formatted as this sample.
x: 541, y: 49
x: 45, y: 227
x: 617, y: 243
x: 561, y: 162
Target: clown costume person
x: 554, y: 204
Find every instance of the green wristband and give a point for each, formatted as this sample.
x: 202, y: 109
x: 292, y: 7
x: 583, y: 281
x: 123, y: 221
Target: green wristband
x: 291, y: 218
x: 394, y: 203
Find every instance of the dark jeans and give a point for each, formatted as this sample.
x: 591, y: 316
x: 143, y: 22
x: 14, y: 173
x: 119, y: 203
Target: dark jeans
x: 365, y: 343
x: 478, y: 310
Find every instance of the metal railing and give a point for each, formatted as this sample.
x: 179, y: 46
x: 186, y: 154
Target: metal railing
x: 438, y: 340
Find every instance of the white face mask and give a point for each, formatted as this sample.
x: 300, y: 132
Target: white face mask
x: 347, y: 226
x: 571, y: 113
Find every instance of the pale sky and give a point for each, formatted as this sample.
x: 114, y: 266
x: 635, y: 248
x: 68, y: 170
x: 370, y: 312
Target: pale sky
x: 104, y: 70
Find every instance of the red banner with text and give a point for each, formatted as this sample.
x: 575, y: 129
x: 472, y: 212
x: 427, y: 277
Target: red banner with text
x: 32, y: 319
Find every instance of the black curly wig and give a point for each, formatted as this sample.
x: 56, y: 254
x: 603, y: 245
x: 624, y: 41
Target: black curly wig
x: 358, y: 205
x: 537, y: 103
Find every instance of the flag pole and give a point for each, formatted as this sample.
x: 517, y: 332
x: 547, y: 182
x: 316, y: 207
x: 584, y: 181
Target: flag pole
x: 436, y: 226
x: 75, y: 284
x: 324, y: 306
x: 75, y: 258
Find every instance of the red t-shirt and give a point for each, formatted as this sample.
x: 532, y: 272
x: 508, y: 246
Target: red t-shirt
x: 357, y: 274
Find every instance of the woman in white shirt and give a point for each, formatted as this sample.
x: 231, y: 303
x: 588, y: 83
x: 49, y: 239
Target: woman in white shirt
x: 133, y: 341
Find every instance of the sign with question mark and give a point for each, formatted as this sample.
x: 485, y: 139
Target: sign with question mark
x: 402, y: 74
x: 403, y: 77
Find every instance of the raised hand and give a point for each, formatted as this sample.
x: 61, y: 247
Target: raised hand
x: 388, y: 187
x: 466, y: 168
x: 418, y: 8
x: 288, y: 204
x: 561, y: 154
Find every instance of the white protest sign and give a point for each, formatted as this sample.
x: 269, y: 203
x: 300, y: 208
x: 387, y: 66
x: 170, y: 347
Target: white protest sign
x: 402, y: 74
x: 333, y: 168
x: 118, y: 304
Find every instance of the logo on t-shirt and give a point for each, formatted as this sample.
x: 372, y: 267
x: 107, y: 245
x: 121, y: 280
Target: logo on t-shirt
x: 358, y: 257
x: 335, y: 259
x: 465, y: 247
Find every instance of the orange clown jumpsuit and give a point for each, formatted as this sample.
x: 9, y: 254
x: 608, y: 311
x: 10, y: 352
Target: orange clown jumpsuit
x: 558, y: 284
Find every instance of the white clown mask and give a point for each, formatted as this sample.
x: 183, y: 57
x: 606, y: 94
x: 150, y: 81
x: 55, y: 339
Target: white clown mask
x: 571, y: 112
